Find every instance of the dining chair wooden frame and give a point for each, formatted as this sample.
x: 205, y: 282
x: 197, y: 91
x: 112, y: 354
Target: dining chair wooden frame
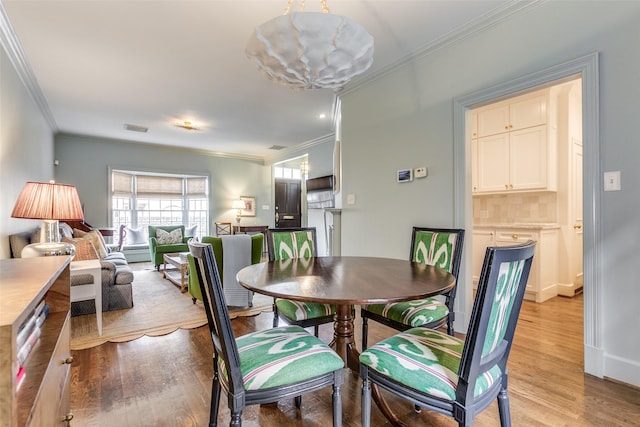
x: 274, y: 255
x: 449, y: 318
x: 411, y: 364
x: 238, y: 376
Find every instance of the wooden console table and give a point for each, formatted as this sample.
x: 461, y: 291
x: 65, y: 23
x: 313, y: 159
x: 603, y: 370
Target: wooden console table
x: 43, y: 398
x: 248, y: 229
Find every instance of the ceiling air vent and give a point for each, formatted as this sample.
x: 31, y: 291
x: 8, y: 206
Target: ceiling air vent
x: 277, y: 147
x: 136, y: 128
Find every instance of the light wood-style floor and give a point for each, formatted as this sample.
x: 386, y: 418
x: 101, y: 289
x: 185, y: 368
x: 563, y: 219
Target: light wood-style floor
x: 166, y: 381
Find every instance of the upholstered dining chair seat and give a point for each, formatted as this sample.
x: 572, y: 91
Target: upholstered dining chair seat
x: 440, y: 247
x: 433, y: 354
x: 413, y: 313
x: 282, y: 356
x: 298, y: 310
x: 264, y: 366
x: 297, y: 243
x: 444, y: 374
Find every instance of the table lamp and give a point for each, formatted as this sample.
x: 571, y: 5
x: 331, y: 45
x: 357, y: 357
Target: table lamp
x: 239, y: 205
x: 49, y: 202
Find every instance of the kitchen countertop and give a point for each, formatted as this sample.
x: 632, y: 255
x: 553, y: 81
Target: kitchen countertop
x: 528, y: 226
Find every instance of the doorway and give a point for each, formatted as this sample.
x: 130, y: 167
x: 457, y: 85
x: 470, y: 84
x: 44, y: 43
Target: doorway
x: 585, y: 67
x: 287, y: 203
x: 527, y: 182
x: 289, y: 188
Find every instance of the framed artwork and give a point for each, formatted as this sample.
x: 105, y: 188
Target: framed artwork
x: 249, y: 206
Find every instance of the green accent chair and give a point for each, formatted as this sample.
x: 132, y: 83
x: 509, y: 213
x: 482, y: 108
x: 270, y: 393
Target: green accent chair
x: 441, y: 247
x: 157, y: 250
x: 445, y: 374
x: 193, y: 284
x: 264, y: 366
x: 292, y: 243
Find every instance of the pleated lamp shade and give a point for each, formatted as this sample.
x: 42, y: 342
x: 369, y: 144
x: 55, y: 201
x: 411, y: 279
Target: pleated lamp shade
x: 49, y: 202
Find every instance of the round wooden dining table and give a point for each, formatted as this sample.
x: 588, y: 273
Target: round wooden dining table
x: 346, y: 281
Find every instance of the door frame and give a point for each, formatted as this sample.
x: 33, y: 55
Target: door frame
x: 587, y: 68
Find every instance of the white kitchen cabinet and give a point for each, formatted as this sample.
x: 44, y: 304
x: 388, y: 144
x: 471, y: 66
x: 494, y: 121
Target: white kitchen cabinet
x: 481, y: 239
x: 514, y: 151
x: 543, y: 278
x: 517, y: 113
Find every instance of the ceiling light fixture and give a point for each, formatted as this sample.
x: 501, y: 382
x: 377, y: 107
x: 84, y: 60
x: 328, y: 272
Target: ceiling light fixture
x: 311, y: 50
x: 187, y: 125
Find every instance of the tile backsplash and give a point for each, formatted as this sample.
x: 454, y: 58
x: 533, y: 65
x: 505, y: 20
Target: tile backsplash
x: 515, y: 208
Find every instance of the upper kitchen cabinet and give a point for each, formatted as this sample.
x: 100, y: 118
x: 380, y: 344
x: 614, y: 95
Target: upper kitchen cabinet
x: 514, y: 149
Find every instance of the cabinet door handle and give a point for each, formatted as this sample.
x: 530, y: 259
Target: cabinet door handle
x: 577, y: 226
x: 515, y: 236
x: 68, y: 360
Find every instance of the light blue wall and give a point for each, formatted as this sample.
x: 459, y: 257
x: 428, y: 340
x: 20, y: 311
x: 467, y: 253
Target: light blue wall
x: 85, y: 162
x: 26, y: 149
x: 404, y: 119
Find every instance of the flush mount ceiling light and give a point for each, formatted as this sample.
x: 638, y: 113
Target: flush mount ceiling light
x: 311, y: 50
x: 187, y: 125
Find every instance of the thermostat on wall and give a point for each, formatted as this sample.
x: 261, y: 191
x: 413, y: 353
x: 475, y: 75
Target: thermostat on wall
x: 405, y: 175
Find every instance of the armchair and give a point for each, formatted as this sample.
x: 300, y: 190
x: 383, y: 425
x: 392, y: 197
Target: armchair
x: 216, y: 242
x: 157, y: 249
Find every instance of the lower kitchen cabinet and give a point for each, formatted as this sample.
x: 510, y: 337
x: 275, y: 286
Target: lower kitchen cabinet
x: 543, y: 278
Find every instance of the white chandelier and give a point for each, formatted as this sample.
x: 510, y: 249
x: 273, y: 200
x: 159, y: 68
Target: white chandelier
x: 311, y: 50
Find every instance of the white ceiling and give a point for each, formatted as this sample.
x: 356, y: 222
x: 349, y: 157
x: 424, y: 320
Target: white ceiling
x: 99, y: 64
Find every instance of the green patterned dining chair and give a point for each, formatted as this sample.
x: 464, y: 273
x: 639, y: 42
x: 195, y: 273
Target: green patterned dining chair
x: 264, y: 366
x: 441, y: 247
x: 445, y: 374
x: 292, y: 243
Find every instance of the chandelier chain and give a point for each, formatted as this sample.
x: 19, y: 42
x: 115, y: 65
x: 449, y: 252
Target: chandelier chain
x: 323, y: 4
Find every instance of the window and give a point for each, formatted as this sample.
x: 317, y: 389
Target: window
x: 140, y: 199
x: 286, y: 173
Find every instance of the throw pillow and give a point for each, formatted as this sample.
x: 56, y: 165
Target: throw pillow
x: 135, y: 236
x: 191, y: 231
x: 84, y: 248
x: 96, y: 238
x: 169, y: 237
x: 65, y: 230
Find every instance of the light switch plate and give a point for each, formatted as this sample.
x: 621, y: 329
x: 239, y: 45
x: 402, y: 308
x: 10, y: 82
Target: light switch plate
x: 351, y: 199
x: 612, y: 181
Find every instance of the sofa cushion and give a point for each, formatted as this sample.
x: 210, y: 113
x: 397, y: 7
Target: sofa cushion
x: 17, y: 242
x: 124, y: 275
x: 65, y: 230
x: 95, y: 237
x: 116, y: 258
x: 84, y: 249
x: 191, y: 231
x: 169, y: 237
x: 135, y: 236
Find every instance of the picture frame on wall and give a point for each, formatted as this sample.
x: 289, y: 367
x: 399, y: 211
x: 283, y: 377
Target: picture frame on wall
x: 249, y: 206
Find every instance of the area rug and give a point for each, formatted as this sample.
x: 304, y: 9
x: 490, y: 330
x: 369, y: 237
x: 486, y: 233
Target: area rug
x: 159, y: 308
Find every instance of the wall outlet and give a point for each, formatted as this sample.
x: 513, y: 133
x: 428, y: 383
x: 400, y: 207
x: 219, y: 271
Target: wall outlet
x: 351, y: 199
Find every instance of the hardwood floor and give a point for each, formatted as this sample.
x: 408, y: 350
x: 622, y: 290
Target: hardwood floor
x: 166, y: 381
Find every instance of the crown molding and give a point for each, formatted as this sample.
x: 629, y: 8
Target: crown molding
x: 14, y: 51
x: 288, y: 153
x: 478, y: 25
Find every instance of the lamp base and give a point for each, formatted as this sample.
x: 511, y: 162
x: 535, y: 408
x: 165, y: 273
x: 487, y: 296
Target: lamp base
x: 48, y: 249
